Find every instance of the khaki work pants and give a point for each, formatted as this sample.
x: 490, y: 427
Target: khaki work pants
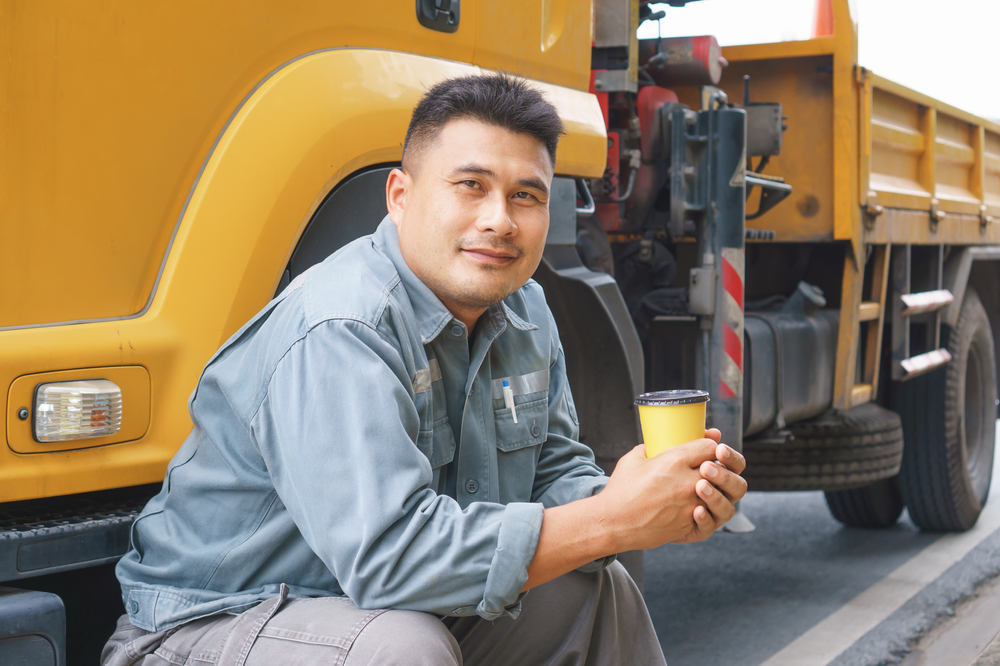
x: 581, y: 618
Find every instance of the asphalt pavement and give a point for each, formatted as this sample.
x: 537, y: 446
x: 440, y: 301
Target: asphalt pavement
x: 803, y: 590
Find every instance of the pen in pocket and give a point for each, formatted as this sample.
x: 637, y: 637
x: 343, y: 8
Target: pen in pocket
x: 508, y: 399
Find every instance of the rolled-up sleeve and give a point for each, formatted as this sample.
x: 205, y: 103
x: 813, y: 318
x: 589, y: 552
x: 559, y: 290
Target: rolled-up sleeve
x: 337, y: 429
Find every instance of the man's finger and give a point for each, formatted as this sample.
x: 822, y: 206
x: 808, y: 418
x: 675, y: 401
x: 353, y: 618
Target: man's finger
x: 733, y: 486
x: 704, y: 526
x: 696, y: 451
x: 731, y: 458
x: 718, y: 504
x: 714, y: 434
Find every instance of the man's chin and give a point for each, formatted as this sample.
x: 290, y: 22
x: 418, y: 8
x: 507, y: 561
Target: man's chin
x: 484, y: 298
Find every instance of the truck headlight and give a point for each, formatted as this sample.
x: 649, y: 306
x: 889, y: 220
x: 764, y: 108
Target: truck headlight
x: 77, y: 410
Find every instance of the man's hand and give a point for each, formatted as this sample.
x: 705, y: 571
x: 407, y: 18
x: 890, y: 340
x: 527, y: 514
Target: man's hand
x: 682, y: 495
x: 720, y: 489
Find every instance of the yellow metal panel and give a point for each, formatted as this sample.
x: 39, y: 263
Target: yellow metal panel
x: 924, y: 152
x: 846, y: 133
x: 928, y: 101
x: 901, y: 139
x: 548, y: 40
x: 913, y: 227
x: 584, y: 149
x: 314, y: 122
x: 955, y: 159
x: 133, y: 380
x: 804, y: 88
x: 779, y: 50
x: 898, y: 144
x: 108, y: 111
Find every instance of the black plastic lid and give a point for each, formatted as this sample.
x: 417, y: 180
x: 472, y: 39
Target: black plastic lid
x: 680, y: 397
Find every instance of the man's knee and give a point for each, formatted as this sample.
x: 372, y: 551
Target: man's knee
x: 620, y: 579
x: 405, y: 637
x: 612, y: 584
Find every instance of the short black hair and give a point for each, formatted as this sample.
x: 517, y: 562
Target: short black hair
x: 499, y: 99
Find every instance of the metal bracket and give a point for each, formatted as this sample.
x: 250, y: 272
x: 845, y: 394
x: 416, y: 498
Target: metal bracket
x: 872, y: 210
x: 984, y: 219
x: 583, y: 193
x: 772, y: 192
x: 701, y: 291
x: 612, y: 80
x: 936, y: 215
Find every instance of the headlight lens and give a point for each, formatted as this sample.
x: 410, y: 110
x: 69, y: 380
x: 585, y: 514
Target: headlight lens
x: 77, y: 410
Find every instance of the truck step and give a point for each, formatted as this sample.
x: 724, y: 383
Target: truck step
x: 54, y: 534
x: 925, y: 301
x: 918, y: 365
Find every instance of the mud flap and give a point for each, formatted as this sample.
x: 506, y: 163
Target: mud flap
x: 604, y: 359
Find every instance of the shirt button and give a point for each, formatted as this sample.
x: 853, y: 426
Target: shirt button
x: 456, y: 330
x: 133, y: 607
x: 535, y: 430
x: 472, y: 486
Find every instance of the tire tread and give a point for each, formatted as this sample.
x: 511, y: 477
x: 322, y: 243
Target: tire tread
x: 836, y: 451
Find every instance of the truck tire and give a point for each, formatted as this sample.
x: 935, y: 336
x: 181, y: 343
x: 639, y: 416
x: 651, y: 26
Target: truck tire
x: 836, y: 451
x: 875, y: 506
x: 949, y: 420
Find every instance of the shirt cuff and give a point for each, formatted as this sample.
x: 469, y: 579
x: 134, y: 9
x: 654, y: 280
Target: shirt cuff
x: 516, y: 544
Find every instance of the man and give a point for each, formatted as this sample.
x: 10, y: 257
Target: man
x: 358, y: 488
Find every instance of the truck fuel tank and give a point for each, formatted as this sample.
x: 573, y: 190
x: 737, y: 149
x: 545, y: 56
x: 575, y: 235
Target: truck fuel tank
x: 789, y: 360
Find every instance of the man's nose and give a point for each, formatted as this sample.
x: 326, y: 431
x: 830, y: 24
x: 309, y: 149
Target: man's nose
x: 495, y: 216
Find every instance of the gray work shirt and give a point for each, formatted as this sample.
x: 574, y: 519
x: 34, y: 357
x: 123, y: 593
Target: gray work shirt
x: 348, y: 441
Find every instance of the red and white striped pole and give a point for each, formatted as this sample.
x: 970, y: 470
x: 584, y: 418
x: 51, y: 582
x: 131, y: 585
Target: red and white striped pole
x: 731, y: 313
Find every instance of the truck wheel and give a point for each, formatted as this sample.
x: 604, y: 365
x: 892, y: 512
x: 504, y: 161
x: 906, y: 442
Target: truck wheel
x: 949, y: 420
x: 836, y: 451
x: 876, y: 506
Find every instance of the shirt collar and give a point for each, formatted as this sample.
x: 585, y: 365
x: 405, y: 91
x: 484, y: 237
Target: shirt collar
x: 432, y: 315
x: 516, y: 320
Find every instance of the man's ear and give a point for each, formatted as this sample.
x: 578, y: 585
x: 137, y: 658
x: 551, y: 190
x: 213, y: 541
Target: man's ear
x: 397, y: 186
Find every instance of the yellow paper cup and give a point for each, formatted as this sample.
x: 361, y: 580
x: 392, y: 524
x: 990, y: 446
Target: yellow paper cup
x: 669, y: 418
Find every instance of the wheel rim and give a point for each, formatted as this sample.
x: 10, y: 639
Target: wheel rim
x: 972, y: 431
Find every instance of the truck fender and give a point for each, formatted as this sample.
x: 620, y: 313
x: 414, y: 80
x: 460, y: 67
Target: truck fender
x: 604, y: 359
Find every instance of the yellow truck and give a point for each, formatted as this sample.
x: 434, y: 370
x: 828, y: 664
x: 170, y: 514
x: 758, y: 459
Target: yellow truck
x: 824, y: 263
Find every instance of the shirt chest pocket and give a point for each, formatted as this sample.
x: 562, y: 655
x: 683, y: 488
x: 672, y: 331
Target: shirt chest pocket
x: 526, y: 422
x: 519, y: 444
x: 437, y: 443
x: 532, y: 424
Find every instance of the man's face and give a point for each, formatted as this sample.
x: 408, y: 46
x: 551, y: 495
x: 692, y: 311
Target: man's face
x: 473, y: 214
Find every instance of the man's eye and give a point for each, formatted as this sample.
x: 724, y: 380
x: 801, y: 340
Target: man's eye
x: 470, y: 183
x: 524, y: 195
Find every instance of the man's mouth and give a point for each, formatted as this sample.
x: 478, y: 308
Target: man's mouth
x: 490, y: 255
